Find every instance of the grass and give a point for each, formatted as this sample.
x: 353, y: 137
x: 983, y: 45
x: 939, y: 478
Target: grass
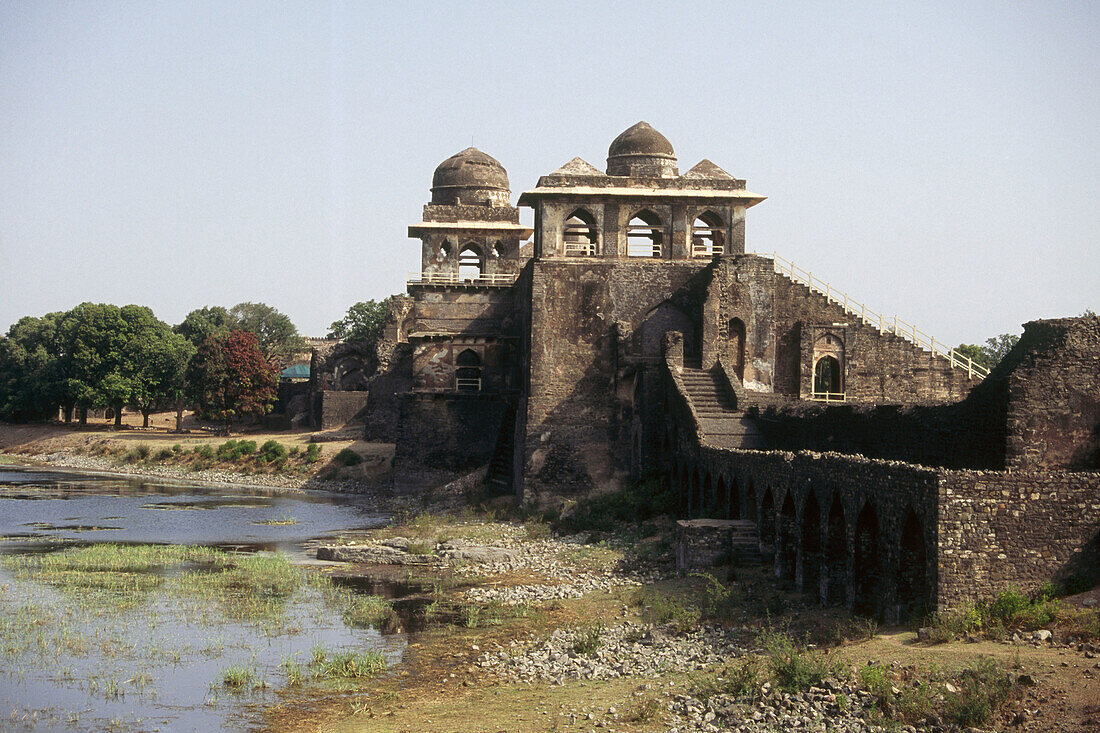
x: 239, y: 678
x: 586, y: 640
x: 639, y: 502
x: 326, y: 665
x: 1012, y: 611
x: 660, y: 607
x: 282, y: 520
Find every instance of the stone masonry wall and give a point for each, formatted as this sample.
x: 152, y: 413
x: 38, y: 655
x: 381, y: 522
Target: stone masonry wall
x: 577, y: 434
x: 1015, y: 529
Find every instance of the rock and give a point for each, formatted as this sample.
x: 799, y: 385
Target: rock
x: 1042, y: 635
x: 951, y: 688
x: 480, y: 554
x: 371, y: 554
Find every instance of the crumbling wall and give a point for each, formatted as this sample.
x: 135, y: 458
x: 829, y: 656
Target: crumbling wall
x: 1016, y: 529
x: 579, y: 424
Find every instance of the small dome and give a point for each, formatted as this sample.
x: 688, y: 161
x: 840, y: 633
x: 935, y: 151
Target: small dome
x: 641, y: 151
x: 469, y: 177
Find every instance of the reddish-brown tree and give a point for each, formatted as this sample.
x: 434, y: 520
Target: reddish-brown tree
x: 229, y: 377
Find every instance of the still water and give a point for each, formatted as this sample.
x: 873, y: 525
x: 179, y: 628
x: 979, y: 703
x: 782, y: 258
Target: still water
x: 156, y: 662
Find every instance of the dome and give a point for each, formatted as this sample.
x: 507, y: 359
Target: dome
x: 470, y: 178
x: 641, y: 139
x: 642, y: 152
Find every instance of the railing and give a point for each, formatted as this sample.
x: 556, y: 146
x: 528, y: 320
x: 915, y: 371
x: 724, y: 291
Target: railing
x: 884, y: 324
x: 828, y: 396
x: 496, y: 280
x: 579, y: 249
x: 468, y: 384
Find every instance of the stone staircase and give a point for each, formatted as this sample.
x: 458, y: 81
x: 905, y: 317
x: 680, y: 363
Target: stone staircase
x: 723, y: 425
x: 745, y: 543
x: 498, y: 479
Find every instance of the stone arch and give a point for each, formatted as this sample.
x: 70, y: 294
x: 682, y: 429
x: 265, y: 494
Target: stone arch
x: 811, y: 555
x: 696, y: 495
x: 662, y: 319
x: 750, y: 504
x: 707, y: 235
x: 468, y: 371
x: 786, y: 562
x: 645, y: 235
x: 868, y: 563
x: 736, y: 347
x: 827, y: 378
x: 836, y: 556
x: 723, y: 491
x: 709, y: 499
x: 912, y: 587
x: 767, y: 526
x: 580, y: 234
x: 471, y: 261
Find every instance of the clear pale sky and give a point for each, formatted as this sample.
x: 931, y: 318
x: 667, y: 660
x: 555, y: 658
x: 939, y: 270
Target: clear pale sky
x: 937, y: 160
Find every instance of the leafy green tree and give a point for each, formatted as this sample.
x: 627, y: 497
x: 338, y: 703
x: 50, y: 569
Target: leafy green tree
x: 203, y: 322
x: 230, y: 377
x: 995, y: 348
x: 162, y: 359
x: 972, y: 352
x: 276, y: 334
x: 31, y: 385
x: 363, y: 322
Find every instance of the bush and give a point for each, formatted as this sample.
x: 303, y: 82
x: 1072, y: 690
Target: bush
x: 659, y: 608
x: 313, y: 453
x: 981, y: 690
x: 272, y: 452
x: 246, y: 447
x: 205, y: 451
x: 587, y: 640
x: 643, y: 500
x: 793, y: 669
x: 348, y: 457
x: 165, y: 453
x: 142, y: 450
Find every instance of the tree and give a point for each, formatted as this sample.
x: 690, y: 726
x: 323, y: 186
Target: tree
x: 363, y: 322
x: 997, y: 347
x: 203, y: 322
x: 972, y: 352
x: 230, y: 377
x: 162, y: 362
x: 276, y: 335
x: 31, y: 385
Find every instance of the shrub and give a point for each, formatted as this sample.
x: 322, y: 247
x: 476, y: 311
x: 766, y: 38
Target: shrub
x: 793, y: 669
x: 227, y: 451
x: 1005, y: 606
x: 587, y: 640
x: 271, y: 452
x: 642, y: 500
x: 205, y: 451
x: 981, y: 690
x: 164, y: 454
x: 313, y: 453
x: 246, y: 447
x: 348, y: 457
x: 659, y: 608
x: 177, y: 448
x: 739, y: 680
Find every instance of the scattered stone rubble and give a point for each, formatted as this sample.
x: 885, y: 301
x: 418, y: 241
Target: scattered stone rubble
x: 627, y: 650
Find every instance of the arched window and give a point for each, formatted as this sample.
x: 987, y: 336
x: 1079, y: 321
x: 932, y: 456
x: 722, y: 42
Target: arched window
x: 468, y: 371
x: 707, y: 236
x: 470, y: 263
x: 498, y: 251
x: 579, y: 234
x: 445, y: 250
x: 827, y: 382
x: 645, y: 235
x: 737, y: 347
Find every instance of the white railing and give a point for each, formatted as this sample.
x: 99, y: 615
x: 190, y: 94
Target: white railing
x: 496, y: 280
x: 467, y: 384
x: 580, y: 249
x: 884, y: 324
x: 828, y: 396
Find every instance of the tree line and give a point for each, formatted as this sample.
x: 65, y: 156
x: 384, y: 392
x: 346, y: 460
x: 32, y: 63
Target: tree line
x: 223, y: 362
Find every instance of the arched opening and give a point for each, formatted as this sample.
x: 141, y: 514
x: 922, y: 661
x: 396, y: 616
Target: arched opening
x: 470, y: 263
x: 750, y: 504
x: 767, y: 528
x: 707, y: 236
x: 734, y: 499
x: 498, y: 251
x: 867, y: 563
x: 708, y: 498
x: 579, y: 234
x: 912, y: 571
x: 737, y: 347
x: 645, y: 235
x: 836, y: 555
x: 827, y: 383
x: 445, y: 250
x: 788, y: 544
x: 468, y: 371
x: 723, y: 499
x: 811, y: 548
x: 697, y: 496
x: 662, y: 319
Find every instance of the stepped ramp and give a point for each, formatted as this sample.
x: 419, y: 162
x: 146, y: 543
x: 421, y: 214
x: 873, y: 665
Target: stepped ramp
x: 715, y: 405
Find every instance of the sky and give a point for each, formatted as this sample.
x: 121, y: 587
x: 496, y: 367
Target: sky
x: 935, y: 160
